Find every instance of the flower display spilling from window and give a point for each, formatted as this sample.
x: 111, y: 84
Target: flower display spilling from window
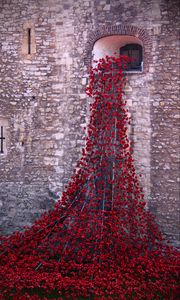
x: 99, y: 241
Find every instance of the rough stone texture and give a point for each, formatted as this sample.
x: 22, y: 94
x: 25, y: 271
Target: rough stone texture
x: 44, y: 106
x: 164, y: 119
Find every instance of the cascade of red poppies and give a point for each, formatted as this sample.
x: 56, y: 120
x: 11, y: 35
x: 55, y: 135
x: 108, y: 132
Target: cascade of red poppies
x: 98, y: 242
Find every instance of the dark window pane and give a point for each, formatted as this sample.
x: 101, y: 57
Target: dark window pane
x: 135, y: 52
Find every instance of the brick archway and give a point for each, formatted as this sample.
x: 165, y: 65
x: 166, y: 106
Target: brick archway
x: 129, y: 30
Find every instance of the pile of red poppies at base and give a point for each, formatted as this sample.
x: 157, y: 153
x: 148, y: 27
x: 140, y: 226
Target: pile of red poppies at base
x: 99, y: 241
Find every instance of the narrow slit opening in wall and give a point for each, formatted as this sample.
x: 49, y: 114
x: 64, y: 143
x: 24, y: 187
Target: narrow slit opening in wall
x: 29, y: 40
x: 2, y: 138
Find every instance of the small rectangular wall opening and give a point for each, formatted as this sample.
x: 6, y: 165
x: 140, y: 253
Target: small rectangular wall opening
x: 29, y: 40
x: 3, y: 137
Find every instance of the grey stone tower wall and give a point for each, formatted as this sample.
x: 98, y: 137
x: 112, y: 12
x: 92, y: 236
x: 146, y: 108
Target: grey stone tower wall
x: 44, y: 108
x: 165, y: 201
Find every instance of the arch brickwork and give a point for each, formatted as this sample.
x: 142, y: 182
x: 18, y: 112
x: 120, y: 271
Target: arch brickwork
x: 129, y: 30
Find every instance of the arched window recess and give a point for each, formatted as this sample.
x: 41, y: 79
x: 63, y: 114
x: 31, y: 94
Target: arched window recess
x: 124, y: 45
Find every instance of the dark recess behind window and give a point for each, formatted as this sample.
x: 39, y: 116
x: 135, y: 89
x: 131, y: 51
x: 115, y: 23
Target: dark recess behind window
x: 29, y: 40
x: 135, y: 52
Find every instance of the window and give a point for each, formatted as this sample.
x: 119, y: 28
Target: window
x: 28, y: 40
x: 3, y: 137
x: 135, y: 52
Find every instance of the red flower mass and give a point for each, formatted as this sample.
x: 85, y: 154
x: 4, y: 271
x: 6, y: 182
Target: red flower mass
x: 99, y: 241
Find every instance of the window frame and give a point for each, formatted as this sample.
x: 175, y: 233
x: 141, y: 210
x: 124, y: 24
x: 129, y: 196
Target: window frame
x: 127, y: 50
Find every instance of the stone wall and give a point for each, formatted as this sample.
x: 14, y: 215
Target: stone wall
x: 44, y: 106
x: 165, y: 115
